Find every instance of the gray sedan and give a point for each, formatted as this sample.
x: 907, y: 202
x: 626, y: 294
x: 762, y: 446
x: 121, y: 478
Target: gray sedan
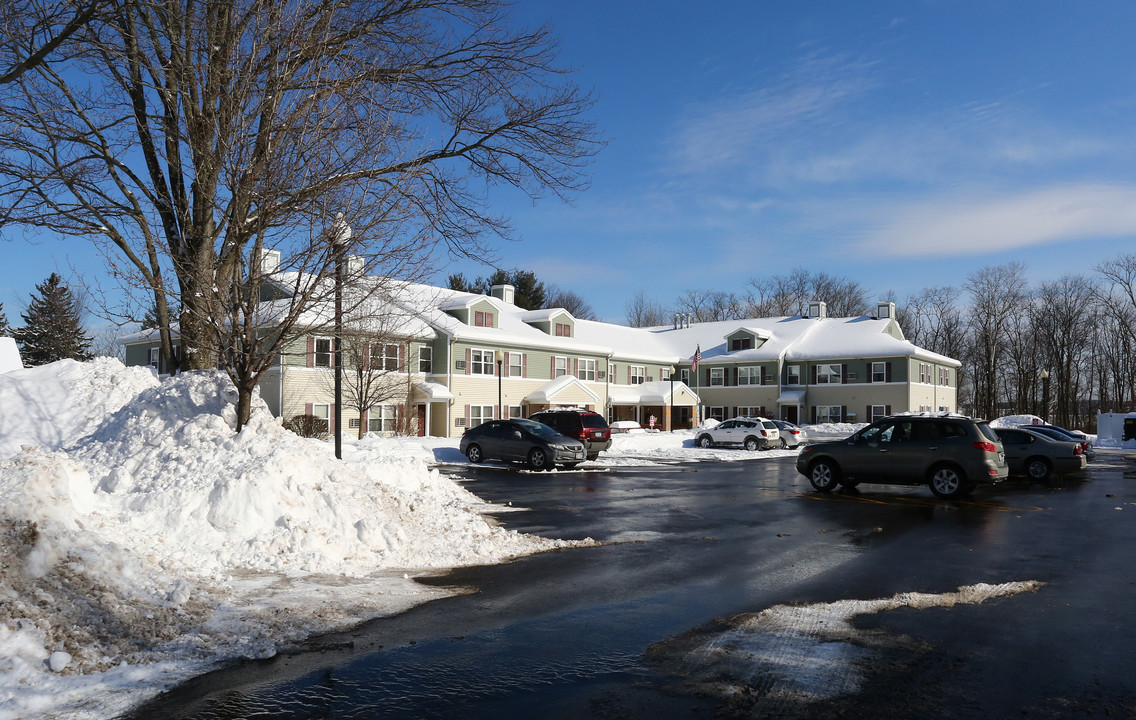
x: 536, y: 444
x: 1037, y: 456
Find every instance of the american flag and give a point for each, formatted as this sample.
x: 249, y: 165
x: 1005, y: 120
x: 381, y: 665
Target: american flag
x: 697, y: 358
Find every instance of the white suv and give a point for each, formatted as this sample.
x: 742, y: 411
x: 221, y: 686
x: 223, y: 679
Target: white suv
x: 751, y: 433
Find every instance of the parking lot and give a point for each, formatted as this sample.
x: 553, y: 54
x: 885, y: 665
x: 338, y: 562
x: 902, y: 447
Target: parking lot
x: 735, y: 590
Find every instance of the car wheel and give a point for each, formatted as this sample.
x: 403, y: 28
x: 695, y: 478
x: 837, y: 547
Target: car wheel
x: 947, y: 481
x: 705, y: 441
x: 784, y: 445
x: 1038, y: 469
x: 537, y: 459
x: 752, y: 444
x: 824, y: 475
x: 473, y: 452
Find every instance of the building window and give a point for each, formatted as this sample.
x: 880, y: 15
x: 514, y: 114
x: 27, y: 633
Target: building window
x: 323, y: 354
x: 878, y: 411
x: 514, y: 411
x: 559, y: 366
x: 828, y: 374
x: 924, y: 373
x: 636, y: 374
x: 384, y: 356
x: 425, y: 359
x: 383, y: 418
x: 483, y: 319
x: 322, y: 413
x: 741, y: 344
x: 563, y: 330
x: 717, y: 376
x: 718, y: 413
x: 684, y: 375
x: 353, y: 423
x: 516, y: 364
x: 586, y: 369
x: 481, y: 362
x: 664, y: 373
x: 154, y: 352
x: 611, y: 372
x: 829, y: 414
x: 749, y: 376
x: 793, y: 375
x: 879, y: 372
x: 479, y: 414
x: 944, y: 376
x: 751, y: 411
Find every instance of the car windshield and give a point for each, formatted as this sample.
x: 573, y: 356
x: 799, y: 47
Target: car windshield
x: 537, y: 428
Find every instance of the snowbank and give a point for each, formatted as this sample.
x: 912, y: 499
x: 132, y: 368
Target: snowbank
x: 142, y: 538
x: 9, y: 356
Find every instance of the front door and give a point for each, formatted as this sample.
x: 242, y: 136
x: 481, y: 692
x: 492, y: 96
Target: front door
x: 789, y: 413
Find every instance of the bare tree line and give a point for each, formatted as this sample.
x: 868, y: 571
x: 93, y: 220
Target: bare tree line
x: 1075, y: 335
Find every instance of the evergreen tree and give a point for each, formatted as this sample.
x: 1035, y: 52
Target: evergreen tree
x: 52, y: 328
x: 5, y: 328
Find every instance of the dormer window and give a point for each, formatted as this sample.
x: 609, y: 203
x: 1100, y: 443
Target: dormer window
x: 745, y: 343
x: 483, y: 319
x: 563, y: 330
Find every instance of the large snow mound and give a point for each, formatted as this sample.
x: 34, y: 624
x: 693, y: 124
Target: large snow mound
x: 142, y: 537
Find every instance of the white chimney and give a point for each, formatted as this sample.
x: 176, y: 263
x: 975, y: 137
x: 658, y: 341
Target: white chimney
x: 885, y: 310
x: 818, y: 309
x: 269, y: 261
x: 503, y: 292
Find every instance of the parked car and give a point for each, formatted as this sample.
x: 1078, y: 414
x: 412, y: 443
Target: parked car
x: 750, y: 433
x: 1060, y: 433
x: 791, y: 435
x: 1034, y: 453
x: 534, y: 443
x: 588, y: 427
x: 950, y: 453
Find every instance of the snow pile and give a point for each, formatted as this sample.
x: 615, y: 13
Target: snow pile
x: 142, y: 538
x: 1012, y: 421
x: 9, y: 356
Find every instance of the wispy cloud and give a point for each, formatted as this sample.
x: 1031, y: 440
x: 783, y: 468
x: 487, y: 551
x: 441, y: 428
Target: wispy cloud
x: 972, y: 225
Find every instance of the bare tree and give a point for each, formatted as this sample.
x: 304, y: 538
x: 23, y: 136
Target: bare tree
x: 642, y: 311
x: 570, y: 301
x: 710, y: 305
x: 33, y: 29
x: 996, y: 294
x: 787, y: 295
x: 1117, y: 302
x: 187, y: 138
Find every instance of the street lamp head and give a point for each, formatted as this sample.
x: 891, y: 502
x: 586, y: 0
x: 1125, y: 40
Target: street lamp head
x: 1044, y: 374
x: 500, y: 355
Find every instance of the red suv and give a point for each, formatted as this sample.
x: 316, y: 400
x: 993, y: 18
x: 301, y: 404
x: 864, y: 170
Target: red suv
x: 586, y: 426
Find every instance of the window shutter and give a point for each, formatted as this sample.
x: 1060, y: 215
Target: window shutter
x: 524, y: 365
x: 868, y: 414
x: 815, y: 369
x: 843, y: 373
x: 401, y: 357
x: 467, y: 416
x: 814, y: 414
x: 576, y: 367
x: 887, y: 409
x: 552, y: 367
x: 468, y: 364
x: 308, y: 409
x: 887, y: 372
x: 735, y: 376
x: 331, y: 418
x: 505, y: 366
x: 311, y: 357
x: 843, y: 413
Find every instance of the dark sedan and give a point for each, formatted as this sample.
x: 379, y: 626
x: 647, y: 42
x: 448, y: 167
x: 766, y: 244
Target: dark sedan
x: 1060, y: 433
x: 1035, y: 455
x: 536, y: 444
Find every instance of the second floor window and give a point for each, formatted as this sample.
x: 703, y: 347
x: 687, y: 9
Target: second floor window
x: 749, y: 376
x: 384, y: 356
x: 563, y: 330
x: 717, y: 376
x: 323, y: 352
x: 559, y: 366
x: 425, y: 359
x: 636, y: 374
x: 793, y: 375
x: 828, y: 374
x: 482, y: 319
x: 481, y: 363
x: 944, y: 376
x: 879, y: 372
x: 610, y: 372
x: 516, y: 364
x: 741, y: 344
x: 586, y: 369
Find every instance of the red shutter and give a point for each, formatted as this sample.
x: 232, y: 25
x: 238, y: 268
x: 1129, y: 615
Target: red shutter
x: 505, y: 366
x: 576, y: 367
x: 552, y: 367
x: 401, y: 357
x: 311, y: 355
x: 468, y: 364
x: 467, y: 416
x: 524, y: 365
x: 308, y: 409
x: 887, y: 409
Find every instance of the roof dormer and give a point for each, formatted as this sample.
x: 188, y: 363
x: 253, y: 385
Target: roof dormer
x: 745, y: 339
x: 473, y: 310
x: 552, y: 321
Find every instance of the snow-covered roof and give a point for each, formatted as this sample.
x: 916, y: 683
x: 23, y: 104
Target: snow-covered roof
x: 547, y: 393
x: 9, y: 356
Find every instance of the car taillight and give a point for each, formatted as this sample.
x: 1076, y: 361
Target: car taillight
x: 1077, y: 450
x: 986, y: 446
x: 764, y: 434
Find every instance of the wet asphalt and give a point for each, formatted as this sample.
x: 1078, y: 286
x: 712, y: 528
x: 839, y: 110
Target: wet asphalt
x: 686, y: 552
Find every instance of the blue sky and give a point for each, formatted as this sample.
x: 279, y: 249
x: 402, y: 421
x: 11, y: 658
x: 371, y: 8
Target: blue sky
x: 900, y: 144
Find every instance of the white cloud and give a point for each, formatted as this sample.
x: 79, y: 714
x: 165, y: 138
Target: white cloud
x: 976, y: 225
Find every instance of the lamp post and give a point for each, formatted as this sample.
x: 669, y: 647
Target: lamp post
x: 671, y: 410
x: 339, y: 240
x: 1045, y: 395
x: 500, y: 355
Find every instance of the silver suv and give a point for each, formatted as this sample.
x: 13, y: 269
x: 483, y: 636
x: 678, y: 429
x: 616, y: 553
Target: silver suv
x: 950, y: 453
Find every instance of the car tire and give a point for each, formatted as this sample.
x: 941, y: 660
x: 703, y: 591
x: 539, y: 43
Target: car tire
x: 824, y: 476
x: 538, y: 459
x: 1038, y: 469
x: 473, y: 452
x: 704, y: 441
x: 948, y: 481
x: 784, y: 445
x: 752, y: 444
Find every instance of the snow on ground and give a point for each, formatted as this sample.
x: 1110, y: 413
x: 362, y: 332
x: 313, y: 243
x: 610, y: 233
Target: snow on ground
x: 142, y: 540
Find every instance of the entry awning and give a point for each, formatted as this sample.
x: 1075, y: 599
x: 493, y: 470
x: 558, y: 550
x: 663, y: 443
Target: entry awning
x: 432, y: 392
x: 791, y: 397
x: 653, y: 393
